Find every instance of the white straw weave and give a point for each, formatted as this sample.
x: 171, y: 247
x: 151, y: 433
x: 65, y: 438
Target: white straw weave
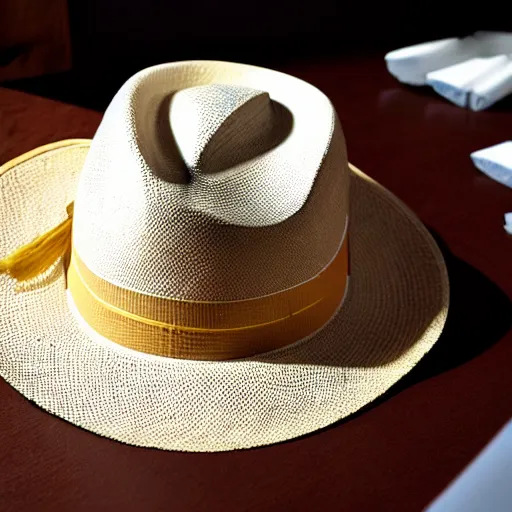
x: 394, y: 312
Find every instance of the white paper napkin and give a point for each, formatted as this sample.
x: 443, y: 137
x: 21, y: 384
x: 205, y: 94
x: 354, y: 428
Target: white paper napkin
x: 495, y: 162
x: 474, y: 71
x: 411, y: 64
x: 475, y: 83
x: 486, y: 484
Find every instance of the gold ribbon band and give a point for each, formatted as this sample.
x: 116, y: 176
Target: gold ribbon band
x: 207, y: 330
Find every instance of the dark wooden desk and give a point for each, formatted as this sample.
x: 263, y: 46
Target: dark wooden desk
x: 400, y: 452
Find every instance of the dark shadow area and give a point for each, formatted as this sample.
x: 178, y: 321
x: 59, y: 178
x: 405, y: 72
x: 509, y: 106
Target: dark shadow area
x: 110, y: 40
x: 480, y: 315
x: 504, y: 105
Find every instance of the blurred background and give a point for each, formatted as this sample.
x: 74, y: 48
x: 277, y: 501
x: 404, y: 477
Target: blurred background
x: 81, y: 52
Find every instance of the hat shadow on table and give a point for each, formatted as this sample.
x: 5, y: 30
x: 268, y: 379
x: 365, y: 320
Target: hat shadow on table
x: 480, y: 314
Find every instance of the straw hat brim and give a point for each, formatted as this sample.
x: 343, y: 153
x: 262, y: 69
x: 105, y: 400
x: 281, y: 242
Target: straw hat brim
x: 394, y: 312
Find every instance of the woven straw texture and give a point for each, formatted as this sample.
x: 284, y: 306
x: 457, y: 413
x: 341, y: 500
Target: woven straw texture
x: 142, y: 224
x: 227, y: 218
x: 393, y: 314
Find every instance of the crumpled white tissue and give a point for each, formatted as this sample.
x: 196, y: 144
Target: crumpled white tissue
x: 495, y: 162
x: 474, y: 72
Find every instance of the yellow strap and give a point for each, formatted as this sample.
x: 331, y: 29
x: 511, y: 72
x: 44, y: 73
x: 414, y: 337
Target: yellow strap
x: 36, y: 257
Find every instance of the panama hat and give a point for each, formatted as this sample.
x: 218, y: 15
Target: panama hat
x: 209, y: 272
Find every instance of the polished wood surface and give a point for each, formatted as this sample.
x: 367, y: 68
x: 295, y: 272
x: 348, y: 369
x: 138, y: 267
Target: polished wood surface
x: 401, y: 451
x: 27, y: 122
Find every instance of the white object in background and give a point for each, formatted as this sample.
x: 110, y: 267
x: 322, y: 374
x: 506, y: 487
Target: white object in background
x: 496, y: 162
x: 486, y: 484
x: 474, y: 71
x: 477, y: 83
x: 508, y: 223
x: 411, y: 64
x: 492, y: 88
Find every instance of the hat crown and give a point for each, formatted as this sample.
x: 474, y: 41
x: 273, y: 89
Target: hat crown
x: 218, y: 126
x: 213, y: 181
